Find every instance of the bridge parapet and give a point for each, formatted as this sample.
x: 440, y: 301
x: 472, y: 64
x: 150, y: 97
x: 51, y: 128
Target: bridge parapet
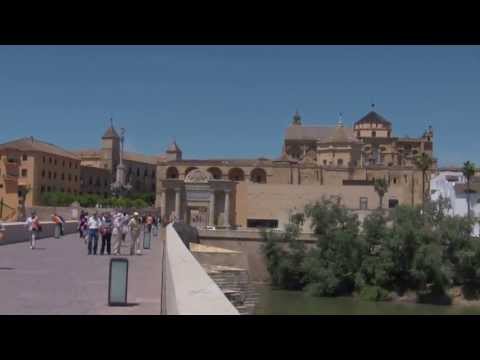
x: 187, y: 289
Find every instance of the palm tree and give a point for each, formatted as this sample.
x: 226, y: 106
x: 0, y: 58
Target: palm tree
x: 423, y: 163
x: 468, y: 171
x: 381, y: 188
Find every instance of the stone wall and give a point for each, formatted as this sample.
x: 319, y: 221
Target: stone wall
x: 187, y: 288
x: 17, y: 232
x: 247, y: 242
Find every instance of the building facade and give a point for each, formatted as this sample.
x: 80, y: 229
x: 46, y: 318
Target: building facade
x: 336, y: 162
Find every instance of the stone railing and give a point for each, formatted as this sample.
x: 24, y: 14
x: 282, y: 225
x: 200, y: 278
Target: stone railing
x: 17, y: 231
x: 187, y: 289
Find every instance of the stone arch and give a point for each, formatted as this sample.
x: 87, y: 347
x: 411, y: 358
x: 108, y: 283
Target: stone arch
x: 258, y: 176
x: 236, y: 174
x: 172, y: 173
x: 215, y: 172
x: 190, y: 169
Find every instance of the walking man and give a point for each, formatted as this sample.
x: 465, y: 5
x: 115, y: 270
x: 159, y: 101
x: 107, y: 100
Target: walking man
x: 117, y: 233
x: 34, y: 228
x: 135, y: 226
x: 58, y: 226
x: 107, y: 227
x: 94, y: 225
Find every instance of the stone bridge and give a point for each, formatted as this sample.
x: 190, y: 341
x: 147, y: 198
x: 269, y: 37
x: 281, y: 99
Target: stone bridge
x: 58, y: 277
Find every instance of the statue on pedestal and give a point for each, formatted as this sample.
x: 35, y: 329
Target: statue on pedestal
x: 119, y: 188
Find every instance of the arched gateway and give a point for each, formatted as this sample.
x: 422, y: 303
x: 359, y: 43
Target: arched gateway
x: 198, y: 200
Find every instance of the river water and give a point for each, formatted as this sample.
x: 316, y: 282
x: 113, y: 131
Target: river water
x: 283, y: 302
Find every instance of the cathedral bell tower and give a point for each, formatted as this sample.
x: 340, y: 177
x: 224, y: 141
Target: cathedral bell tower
x: 110, y: 149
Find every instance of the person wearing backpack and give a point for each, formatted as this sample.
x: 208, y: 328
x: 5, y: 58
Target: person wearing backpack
x: 58, y: 226
x: 34, y: 227
x: 106, y: 232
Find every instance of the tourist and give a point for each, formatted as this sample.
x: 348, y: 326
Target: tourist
x: 83, y: 226
x: 135, y: 226
x: 57, y: 230
x: 106, y: 231
x: 62, y: 225
x: 94, y: 224
x: 34, y: 227
x: 149, y: 225
x: 2, y: 231
x: 125, y: 220
x: 117, y: 233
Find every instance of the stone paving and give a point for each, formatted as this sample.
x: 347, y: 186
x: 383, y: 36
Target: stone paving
x: 60, y: 278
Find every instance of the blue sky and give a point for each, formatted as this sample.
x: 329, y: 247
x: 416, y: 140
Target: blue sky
x: 236, y: 101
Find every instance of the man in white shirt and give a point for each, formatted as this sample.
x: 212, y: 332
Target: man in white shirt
x: 117, y: 233
x: 94, y: 224
x: 33, y: 226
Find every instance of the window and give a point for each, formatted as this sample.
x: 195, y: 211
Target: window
x: 55, y: 161
x: 358, y: 133
x: 153, y: 174
x: 49, y: 175
x: 54, y: 175
x: 63, y: 176
x: 324, y: 162
x: 48, y: 188
x: 76, y: 166
x: 43, y: 159
x: 392, y: 203
x: 340, y: 162
x: 49, y: 160
x: 406, y: 178
x: 69, y: 177
x: 138, y: 172
x: 90, y: 181
x: 374, y: 133
x: 260, y: 223
x: 76, y: 178
x: 43, y: 173
x: 363, y: 203
x: 145, y: 173
x: 70, y: 165
x: 24, y: 172
x: 24, y: 157
x: 1, y: 186
x: 63, y: 163
x: 394, y: 180
x: 42, y: 188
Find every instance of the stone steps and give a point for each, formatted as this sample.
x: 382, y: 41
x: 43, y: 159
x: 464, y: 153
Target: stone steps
x: 236, y: 286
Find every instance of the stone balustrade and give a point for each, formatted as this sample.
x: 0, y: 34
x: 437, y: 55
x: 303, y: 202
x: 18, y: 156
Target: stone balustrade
x: 17, y: 231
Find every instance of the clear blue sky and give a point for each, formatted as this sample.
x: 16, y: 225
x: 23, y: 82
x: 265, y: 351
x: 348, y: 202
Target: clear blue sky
x: 236, y: 101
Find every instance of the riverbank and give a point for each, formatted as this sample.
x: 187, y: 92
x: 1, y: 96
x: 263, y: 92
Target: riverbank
x: 284, y: 302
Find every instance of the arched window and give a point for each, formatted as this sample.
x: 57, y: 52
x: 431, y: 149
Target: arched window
x: 215, y: 172
x: 172, y: 173
x: 258, y: 176
x: 189, y: 169
x: 236, y: 174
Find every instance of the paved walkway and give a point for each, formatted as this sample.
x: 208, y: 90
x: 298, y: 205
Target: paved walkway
x: 59, y: 278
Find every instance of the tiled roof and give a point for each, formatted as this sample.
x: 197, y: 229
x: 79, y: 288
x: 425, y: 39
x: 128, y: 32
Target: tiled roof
x: 373, y: 117
x: 321, y: 133
x: 225, y: 162
x: 173, y: 148
x: 340, y: 135
x: 87, y: 153
x: 110, y: 133
x: 32, y: 144
x: 129, y: 156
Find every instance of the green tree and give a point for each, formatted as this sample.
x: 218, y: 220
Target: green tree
x: 424, y: 162
x: 468, y: 171
x: 381, y: 188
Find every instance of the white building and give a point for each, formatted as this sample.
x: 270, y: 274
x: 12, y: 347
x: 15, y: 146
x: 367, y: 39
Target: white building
x: 451, y: 184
